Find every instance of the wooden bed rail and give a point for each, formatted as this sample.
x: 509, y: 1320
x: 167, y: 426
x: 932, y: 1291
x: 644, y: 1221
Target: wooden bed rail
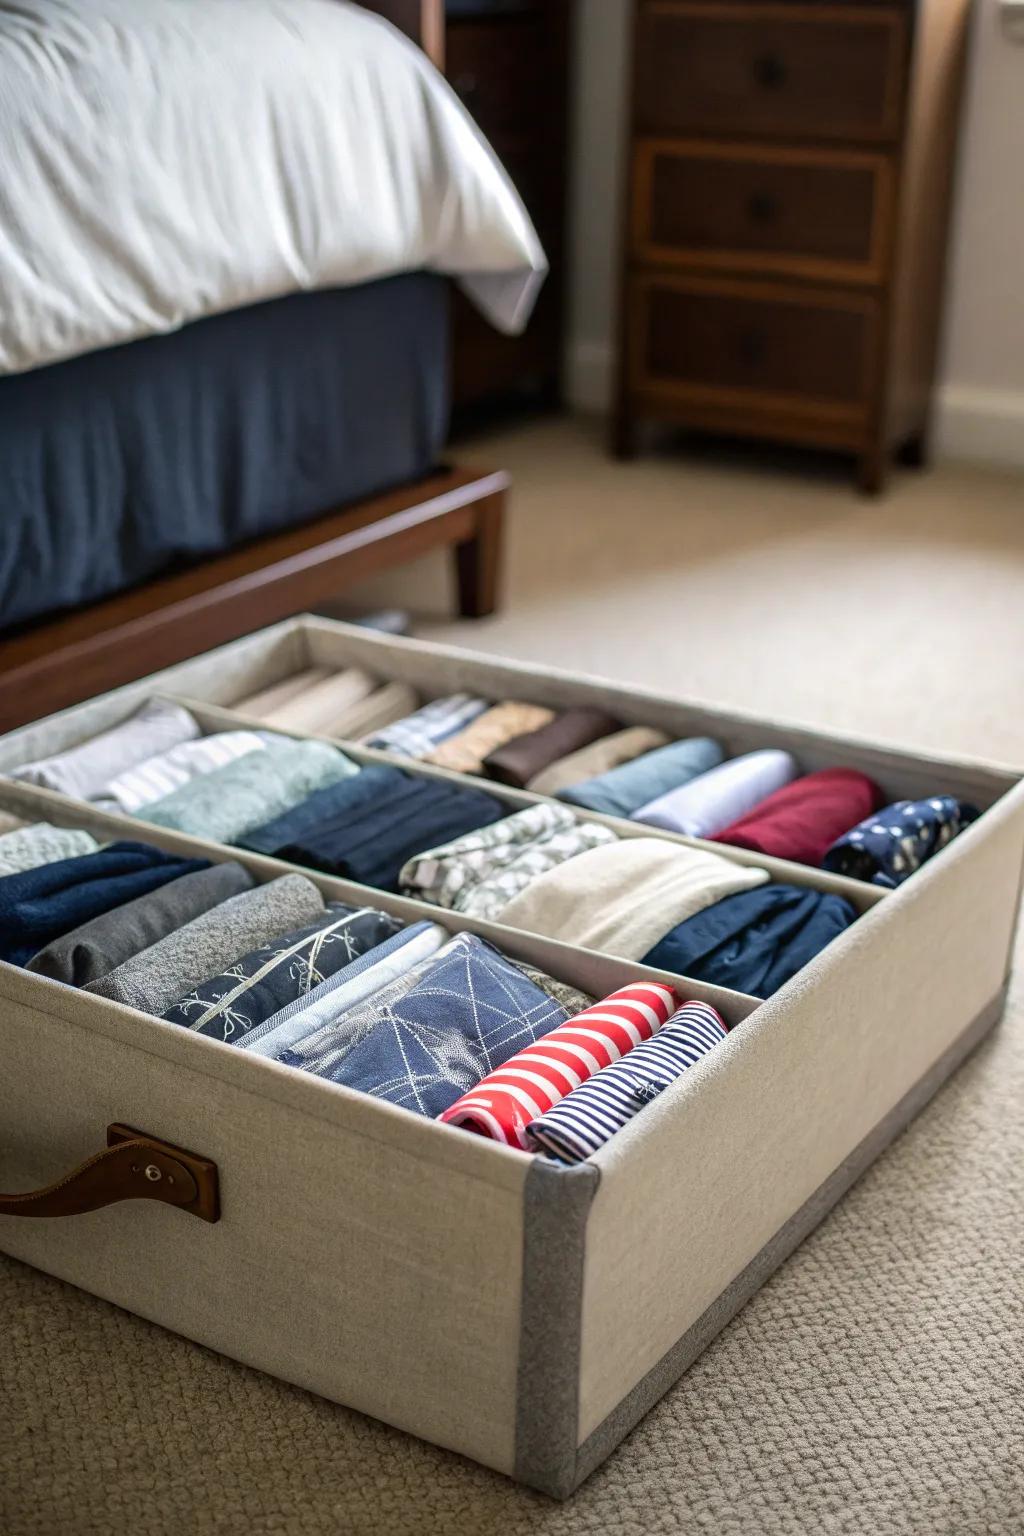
x: 49, y: 665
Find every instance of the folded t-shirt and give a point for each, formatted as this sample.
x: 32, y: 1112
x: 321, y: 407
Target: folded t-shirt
x: 83, y: 772
x: 38, y: 905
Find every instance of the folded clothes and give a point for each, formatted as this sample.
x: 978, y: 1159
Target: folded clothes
x: 262, y: 704
x: 525, y: 756
x: 623, y: 790
x: 887, y: 848
x: 755, y: 941
x: 39, y: 904
x: 600, y: 757
x: 158, y: 776
x: 710, y: 802
x: 620, y: 899
x: 467, y: 1012
x: 249, y: 991
x: 371, y: 844
x: 85, y: 771
x: 223, y: 805
x: 41, y: 843
x: 504, y: 1103
x: 802, y: 820
x: 419, y: 733
x: 316, y: 708
x: 377, y: 968
x: 384, y: 706
x: 158, y: 976
x: 96, y: 948
x: 480, y: 873
x: 465, y: 752
x: 346, y: 798
x: 578, y: 1125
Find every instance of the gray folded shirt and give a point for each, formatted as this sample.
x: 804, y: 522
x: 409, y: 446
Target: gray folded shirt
x: 162, y: 974
x: 96, y: 948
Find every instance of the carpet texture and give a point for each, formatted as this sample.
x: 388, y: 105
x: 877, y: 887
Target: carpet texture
x: 875, y: 1387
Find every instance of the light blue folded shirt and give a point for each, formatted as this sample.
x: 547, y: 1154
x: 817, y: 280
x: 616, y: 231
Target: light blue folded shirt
x: 716, y: 799
x: 305, y: 1017
x: 624, y: 789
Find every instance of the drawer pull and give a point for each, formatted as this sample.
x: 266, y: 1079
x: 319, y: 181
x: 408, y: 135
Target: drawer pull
x: 134, y: 1166
x: 762, y: 208
x: 466, y: 85
x: 770, y: 71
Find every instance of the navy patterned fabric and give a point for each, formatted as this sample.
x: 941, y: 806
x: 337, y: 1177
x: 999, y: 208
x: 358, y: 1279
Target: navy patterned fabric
x: 227, y: 1006
x: 886, y: 849
x: 469, y: 1010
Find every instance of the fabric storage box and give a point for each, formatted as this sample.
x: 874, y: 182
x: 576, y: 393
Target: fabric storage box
x: 523, y: 1313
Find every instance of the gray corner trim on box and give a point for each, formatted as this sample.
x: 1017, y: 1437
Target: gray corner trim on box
x: 557, y: 1202
x: 552, y: 1286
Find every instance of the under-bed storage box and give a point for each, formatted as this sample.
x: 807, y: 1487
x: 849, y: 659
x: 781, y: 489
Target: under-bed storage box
x: 521, y: 1312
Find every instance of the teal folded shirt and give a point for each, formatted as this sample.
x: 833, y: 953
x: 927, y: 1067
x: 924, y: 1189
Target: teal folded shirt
x: 227, y: 803
x: 623, y: 790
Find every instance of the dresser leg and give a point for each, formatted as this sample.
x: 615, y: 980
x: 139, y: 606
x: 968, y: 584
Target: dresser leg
x: 478, y: 560
x: 623, y: 442
x: 913, y: 452
x: 872, y: 472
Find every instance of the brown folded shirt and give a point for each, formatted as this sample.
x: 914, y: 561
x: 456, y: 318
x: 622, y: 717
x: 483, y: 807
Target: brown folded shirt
x: 465, y: 752
x: 522, y: 758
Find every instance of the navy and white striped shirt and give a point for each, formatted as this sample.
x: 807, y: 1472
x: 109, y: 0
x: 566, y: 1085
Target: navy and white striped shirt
x: 575, y: 1127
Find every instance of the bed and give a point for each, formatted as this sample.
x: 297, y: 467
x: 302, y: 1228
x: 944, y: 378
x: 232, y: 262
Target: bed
x: 226, y: 239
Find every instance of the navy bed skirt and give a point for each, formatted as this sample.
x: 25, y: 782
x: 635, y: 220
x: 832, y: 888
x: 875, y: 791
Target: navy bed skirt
x: 124, y: 464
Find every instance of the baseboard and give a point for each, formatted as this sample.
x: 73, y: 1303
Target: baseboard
x: 589, y: 376
x: 980, y: 425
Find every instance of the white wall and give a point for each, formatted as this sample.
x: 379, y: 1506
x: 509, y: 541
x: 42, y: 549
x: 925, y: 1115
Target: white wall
x: 981, y: 402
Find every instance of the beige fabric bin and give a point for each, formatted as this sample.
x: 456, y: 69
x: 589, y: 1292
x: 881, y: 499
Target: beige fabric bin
x: 501, y: 1305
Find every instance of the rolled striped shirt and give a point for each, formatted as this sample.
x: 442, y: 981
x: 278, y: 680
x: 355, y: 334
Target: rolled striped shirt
x: 575, y: 1127
x: 157, y: 776
x: 419, y: 733
x: 503, y: 1104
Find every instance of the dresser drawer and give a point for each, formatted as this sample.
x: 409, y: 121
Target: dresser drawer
x: 817, y: 71
x: 753, y: 344
x: 496, y: 71
x: 812, y: 213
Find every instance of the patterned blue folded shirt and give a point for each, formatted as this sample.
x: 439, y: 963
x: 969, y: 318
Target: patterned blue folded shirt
x: 887, y: 848
x: 227, y: 1006
x: 468, y: 1011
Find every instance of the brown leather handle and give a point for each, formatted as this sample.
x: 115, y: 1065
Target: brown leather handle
x: 133, y: 1167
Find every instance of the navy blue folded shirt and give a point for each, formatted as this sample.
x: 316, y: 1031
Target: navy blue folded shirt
x: 369, y: 826
x: 39, y: 905
x: 755, y: 941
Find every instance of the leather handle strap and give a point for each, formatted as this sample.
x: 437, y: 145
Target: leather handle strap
x: 134, y: 1166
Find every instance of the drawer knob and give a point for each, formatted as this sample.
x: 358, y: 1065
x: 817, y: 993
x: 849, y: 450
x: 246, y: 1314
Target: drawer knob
x: 465, y: 85
x: 762, y: 208
x: 770, y: 71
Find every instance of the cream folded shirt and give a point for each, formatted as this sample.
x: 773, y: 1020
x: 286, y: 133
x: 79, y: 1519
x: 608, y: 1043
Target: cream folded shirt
x: 623, y: 898
x: 600, y: 757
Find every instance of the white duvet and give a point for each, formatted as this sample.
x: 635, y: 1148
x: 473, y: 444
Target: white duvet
x: 161, y: 160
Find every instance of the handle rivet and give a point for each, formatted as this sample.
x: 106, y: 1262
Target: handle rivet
x: 153, y: 1173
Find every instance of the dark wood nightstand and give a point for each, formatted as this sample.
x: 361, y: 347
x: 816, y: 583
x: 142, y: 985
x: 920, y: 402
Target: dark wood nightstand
x: 789, y: 190
x: 509, y: 63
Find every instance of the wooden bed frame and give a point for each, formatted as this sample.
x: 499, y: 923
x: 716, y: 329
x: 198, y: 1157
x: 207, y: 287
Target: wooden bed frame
x: 56, y: 662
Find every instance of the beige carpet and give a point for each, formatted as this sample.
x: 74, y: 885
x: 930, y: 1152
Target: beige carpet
x: 876, y: 1385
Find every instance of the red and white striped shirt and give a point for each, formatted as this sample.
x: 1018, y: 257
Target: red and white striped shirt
x: 504, y: 1102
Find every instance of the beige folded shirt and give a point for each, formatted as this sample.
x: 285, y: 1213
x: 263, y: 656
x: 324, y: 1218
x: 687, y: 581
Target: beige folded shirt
x: 385, y: 705
x: 600, y: 757
x: 465, y: 752
x: 318, y: 707
x: 623, y: 898
x: 260, y: 705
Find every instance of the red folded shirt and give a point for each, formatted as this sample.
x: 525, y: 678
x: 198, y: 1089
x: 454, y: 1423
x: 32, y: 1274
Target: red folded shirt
x: 503, y: 1103
x: 802, y: 820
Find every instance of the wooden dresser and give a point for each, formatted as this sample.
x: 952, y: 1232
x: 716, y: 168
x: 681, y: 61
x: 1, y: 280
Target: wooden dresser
x: 508, y: 60
x: 790, y: 172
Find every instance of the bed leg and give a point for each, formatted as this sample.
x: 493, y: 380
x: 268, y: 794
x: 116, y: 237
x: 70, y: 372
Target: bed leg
x: 478, y: 560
